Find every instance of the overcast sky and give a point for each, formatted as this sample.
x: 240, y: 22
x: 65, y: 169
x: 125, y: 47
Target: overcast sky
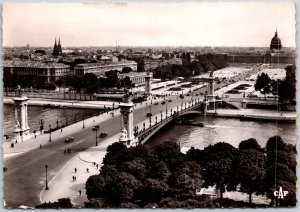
x: 148, y: 24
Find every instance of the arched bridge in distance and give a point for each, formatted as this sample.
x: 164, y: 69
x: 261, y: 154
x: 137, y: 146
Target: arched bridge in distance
x: 192, y: 108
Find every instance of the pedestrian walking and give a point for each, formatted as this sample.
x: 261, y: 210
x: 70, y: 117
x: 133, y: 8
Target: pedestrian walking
x: 60, y: 129
x: 97, y: 166
x: 75, y: 170
x: 87, y: 170
x: 73, y: 178
x: 40, y: 146
x: 94, y: 163
x: 79, y: 192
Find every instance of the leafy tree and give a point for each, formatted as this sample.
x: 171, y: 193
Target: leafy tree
x: 218, y: 161
x: 128, y: 205
x: 95, y: 186
x: 112, y: 78
x: 263, y: 84
x: 95, y: 203
x: 61, y: 203
x: 186, y: 180
x: 283, y: 157
x: 160, y: 171
x: 122, y: 189
x: 114, y: 153
x: 153, y: 190
x: 169, y: 152
x: 126, y: 70
x: 136, y: 167
x: 89, y: 82
x: 249, y: 169
x: 285, y: 91
x: 249, y: 144
x: 124, y: 83
x: 275, y: 143
x: 279, y: 175
x: 291, y: 79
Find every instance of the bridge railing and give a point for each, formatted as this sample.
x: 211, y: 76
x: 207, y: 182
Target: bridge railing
x: 144, y: 133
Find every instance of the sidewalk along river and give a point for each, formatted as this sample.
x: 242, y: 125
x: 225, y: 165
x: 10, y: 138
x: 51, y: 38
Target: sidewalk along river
x: 217, y: 129
x: 50, y: 116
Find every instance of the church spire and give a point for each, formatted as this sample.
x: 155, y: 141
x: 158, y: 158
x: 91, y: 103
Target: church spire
x: 276, y: 34
x: 59, y: 50
x: 55, y: 47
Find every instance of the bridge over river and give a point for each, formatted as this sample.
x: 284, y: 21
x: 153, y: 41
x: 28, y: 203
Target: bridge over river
x: 192, y: 107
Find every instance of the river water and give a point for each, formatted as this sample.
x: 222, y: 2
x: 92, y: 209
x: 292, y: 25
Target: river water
x: 216, y: 129
x: 231, y: 131
x: 49, y: 116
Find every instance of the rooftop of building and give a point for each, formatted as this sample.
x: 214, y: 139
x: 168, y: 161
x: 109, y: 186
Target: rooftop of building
x: 33, y: 64
x: 135, y: 74
x: 106, y: 63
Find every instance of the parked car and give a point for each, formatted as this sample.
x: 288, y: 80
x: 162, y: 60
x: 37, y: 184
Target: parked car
x: 95, y: 128
x: 69, y: 139
x: 163, y: 102
x: 156, y: 103
x: 103, y: 134
x: 149, y: 114
x: 170, y: 100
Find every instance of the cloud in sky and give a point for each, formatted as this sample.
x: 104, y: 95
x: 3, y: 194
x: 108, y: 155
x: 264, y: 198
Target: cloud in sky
x: 148, y: 24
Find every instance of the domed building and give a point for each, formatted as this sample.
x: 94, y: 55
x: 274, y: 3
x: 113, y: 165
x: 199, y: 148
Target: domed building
x: 275, y: 42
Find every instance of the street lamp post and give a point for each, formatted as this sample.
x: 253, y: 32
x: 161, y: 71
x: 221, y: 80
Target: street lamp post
x: 166, y: 109
x: 96, y: 137
x: 49, y: 132
x: 42, y: 125
x: 83, y: 121
x: 46, y: 188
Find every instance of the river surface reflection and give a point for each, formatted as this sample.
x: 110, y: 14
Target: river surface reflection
x: 49, y: 116
x: 231, y: 131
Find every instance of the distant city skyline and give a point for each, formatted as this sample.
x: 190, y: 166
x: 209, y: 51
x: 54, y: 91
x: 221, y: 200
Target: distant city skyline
x: 149, y: 24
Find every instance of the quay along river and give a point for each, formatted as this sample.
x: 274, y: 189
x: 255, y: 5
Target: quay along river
x: 50, y: 116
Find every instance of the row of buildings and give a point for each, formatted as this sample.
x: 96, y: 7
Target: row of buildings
x: 49, y: 72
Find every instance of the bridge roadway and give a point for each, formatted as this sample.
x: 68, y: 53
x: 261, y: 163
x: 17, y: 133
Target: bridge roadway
x: 25, y: 177
x: 190, y: 108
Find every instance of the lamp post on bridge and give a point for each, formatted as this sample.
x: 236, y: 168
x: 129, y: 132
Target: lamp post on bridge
x: 49, y: 132
x: 83, y: 121
x: 166, y: 110
x: 46, y: 167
